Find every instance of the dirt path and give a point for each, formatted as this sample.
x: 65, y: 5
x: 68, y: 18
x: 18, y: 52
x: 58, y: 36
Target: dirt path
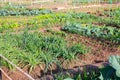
x: 87, y: 8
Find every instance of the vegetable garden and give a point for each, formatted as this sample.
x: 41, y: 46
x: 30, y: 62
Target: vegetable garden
x: 44, y: 44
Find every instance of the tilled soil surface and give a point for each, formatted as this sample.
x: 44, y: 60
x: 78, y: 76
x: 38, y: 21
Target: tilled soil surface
x: 99, y: 54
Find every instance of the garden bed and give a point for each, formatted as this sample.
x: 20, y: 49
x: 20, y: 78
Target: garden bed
x: 58, y: 45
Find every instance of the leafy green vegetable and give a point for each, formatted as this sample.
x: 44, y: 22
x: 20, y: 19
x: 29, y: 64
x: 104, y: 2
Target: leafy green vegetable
x: 115, y: 63
x: 17, y: 10
x: 101, y: 33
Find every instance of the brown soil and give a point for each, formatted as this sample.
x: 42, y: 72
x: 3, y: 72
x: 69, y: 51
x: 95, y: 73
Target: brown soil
x: 100, y: 51
x: 86, y: 8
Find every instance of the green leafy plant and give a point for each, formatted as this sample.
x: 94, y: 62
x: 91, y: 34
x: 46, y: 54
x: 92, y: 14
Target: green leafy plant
x: 32, y: 49
x: 78, y: 48
x: 98, y: 32
x: 47, y: 20
x: 113, y: 18
x: 17, y: 10
x: 115, y: 63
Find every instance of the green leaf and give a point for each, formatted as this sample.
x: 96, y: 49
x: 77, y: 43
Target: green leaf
x: 118, y: 73
x: 115, y: 62
x: 101, y: 77
x: 68, y: 79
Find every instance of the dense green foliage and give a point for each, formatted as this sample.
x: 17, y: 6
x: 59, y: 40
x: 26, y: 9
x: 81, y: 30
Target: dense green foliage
x: 17, y: 10
x: 112, y: 19
x: 48, y: 20
x: 34, y: 49
x: 61, y: 18
x: 101, y: 33
x: 115, y: 63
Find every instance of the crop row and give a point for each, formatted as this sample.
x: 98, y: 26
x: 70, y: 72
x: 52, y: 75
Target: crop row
x: 49, y: 20
x: 61, y: 18
x: 32, y: 49
x: 5, y: 12
x: 111, y: 22
x: 15, y: 10
x: 113, y: 18
x: 101, y: 33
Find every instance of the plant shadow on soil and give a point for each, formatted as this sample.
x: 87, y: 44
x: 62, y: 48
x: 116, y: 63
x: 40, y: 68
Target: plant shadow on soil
x: 86, y: 72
